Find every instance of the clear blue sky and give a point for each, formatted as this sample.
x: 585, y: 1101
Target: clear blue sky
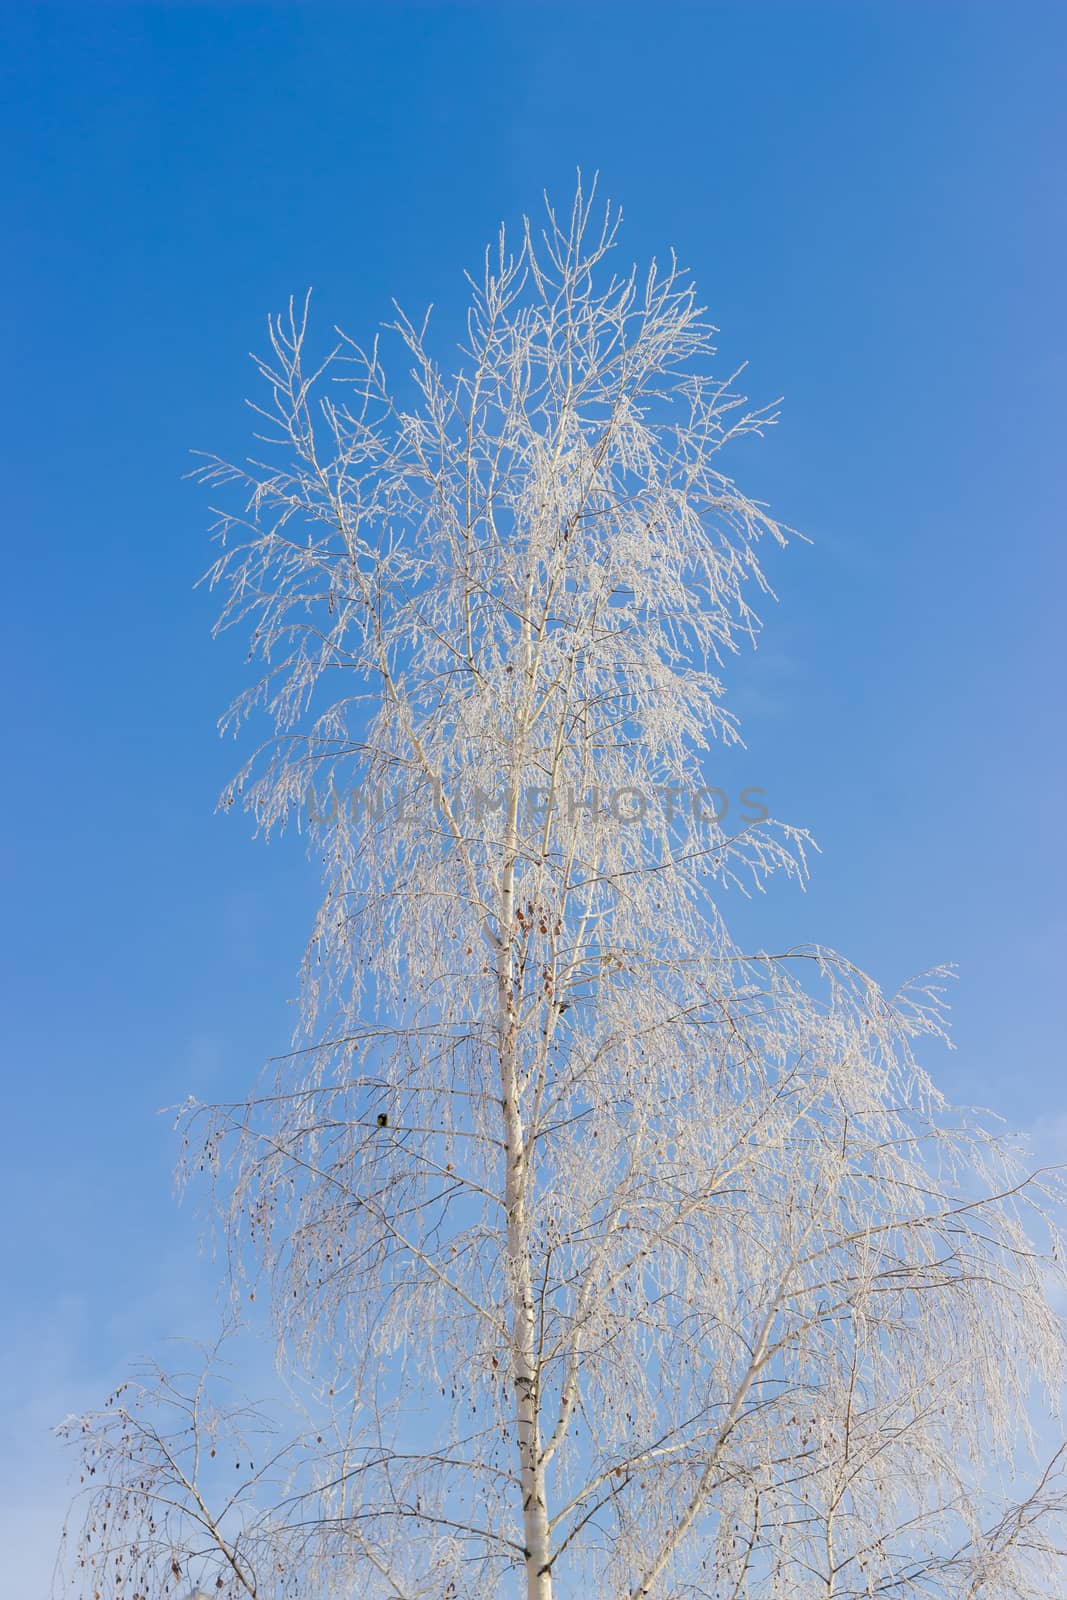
x: 871, y: 198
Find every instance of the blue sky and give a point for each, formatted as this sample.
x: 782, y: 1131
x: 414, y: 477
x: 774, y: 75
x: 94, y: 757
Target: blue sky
x: 871, y: 200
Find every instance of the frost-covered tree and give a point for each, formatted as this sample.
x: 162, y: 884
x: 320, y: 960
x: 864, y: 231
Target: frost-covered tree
x: 613, y: 1259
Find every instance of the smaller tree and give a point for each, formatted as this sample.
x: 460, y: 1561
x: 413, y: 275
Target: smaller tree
x: 170, y: 1489
x: 622, y: 1261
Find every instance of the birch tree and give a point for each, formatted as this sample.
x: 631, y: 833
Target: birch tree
x: 613, y: 1259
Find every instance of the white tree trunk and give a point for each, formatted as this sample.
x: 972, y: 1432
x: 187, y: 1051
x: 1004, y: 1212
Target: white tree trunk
x: 524, y: 1367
